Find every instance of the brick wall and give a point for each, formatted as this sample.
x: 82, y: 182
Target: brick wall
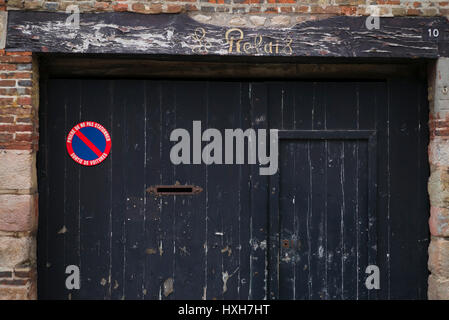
x: 18, y: 195
x: 347, y: 7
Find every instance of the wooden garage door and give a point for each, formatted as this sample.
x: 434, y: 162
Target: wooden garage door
x: 350, y: 192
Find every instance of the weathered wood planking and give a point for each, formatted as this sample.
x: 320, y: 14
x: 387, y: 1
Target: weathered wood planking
x: 129, y: 33
x: 227, y: 242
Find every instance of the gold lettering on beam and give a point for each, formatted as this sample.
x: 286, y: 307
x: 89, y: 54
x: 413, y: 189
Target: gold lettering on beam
x: 202, y: 45
x: 268, y: 47
x: 287, y: 47
x: 230, y: 39
x: 238, y: 42
x: 257, y: 42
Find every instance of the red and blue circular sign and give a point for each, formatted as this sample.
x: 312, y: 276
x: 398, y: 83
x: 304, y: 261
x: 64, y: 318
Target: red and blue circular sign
x: 88, y: 143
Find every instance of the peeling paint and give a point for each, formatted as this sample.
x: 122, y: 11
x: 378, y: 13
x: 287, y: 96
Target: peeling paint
x: 161, y: 251
x: 227, y: 249
x: 150, y: 251
x: 62, y: 230
x: 168, y: 287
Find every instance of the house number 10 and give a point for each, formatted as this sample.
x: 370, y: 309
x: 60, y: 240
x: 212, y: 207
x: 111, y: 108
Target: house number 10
x: 434, y: 33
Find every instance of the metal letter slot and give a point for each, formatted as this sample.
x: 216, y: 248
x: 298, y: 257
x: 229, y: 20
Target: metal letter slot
x: 176, y: 190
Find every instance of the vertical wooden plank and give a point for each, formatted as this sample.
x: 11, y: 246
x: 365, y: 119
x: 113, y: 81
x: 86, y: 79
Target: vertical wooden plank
x: 350, y: 236
x: 304, y: 113
x: 153, y: 233
x: 318, y: 219
x: 319, y: 106
x: 375, y: 99
x: 118, y: 213
x: 275, y: 107
x: 362, y: 216
x: 168, y: 216
x: 134, y: 189
x: 335, y: 226
x: 217, y: 102
x: 72, y: 186
x: 259, y: 207
x: 274, y: 118
x: 318, y: 165
x: 423, y: 208
x: 56, y: 160
x: 287, y: 186
x: 304, y: 101
x: 95, y: 198
x: 372, y: 206
x: 44, y: 191
x: 244, y: 272
x: 406, y: 234
x: 287, y: 206
x: 223, y: 205
x: 301, y: 243
x: 341, y: 105
x: 190, y: 210
x: 368, y: 95
x: 231, y: 242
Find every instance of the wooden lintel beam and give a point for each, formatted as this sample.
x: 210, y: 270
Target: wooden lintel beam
x: 178, y: 34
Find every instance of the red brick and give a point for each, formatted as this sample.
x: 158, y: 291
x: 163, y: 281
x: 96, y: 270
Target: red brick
x: 22, y: 111
x: 349, y: 11
x: 120, y: 7
x: 16, y: 59
x: 6, y: 137
x: 18, y: 53
x: 24, y: 137
x: 16, y: 75
x: 173, y: 9
x: 7, y: 67
x: 16, y: 127
x: 101, y: 6
x: 7, y: 83
x: 6, y: 101
x: 6, y: 119
x: 286, y: 9
x: 413, y: 12
x: 23, y: 146
x: 8, y: 92
x: 24, y: 101
x: 13, y: 282
x: 24, y: 120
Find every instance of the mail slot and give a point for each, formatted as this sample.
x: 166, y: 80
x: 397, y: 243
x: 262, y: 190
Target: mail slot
x: 174, y: 190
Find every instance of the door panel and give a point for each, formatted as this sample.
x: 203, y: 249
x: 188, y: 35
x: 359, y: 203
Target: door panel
x: 356, y: 202
x: 326, y: 214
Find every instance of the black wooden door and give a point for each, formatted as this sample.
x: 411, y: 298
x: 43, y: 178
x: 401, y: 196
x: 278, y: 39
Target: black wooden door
x: 350, y: 192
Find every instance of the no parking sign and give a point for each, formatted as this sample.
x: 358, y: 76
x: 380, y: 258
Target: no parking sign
x: 88, y: 143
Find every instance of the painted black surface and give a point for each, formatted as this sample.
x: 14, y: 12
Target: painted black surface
x: 350, y: 191
x: 178, y: 34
